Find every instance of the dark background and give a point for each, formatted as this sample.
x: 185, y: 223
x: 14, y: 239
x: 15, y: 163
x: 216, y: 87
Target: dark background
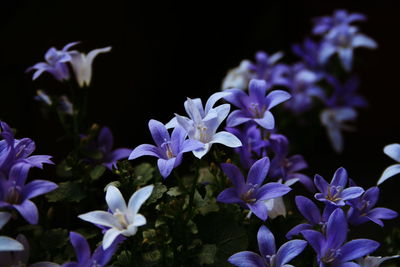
x: 165, y: 52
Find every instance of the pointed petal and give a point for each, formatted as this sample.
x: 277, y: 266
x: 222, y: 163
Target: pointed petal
x: 246, y: 259
x: 139, y: 197
x: 315, y: 239
x: 308, y: 209
x: 166, y: 166
x: 346, y: 57
x: 259, y: 209
x: 389, y: 172
x: 93, y: 54
x: 100, y: 217
x: 115, y: 200
x: 321, y: 184
x: 28, y: 211
x: 382, y: 213
x: 393, y: 151
x: 276, y: 97
x: 340, y: 177
x: 226, y: 139
x: 109, y: 237
x: 234, y: 174
x: 199, y: 153
x: 257, y: 90
x: 9, y: 244
x: 4, y: 218
x: 325, y: 52
x: 361, y: 40
x: 194, y: 110
x: 258, y: 172
x: 177, y: 138
x: 191, y: 145
x: 336, y: 229
x: 158, y: 132
x: 145, y: 150
x: 237, y: 117
x: 237, y: 98
x: 139, y: 220
x: 213, y: 99
x: 289, y: 250
x: 266, y: 242
x: 357, y: 248
x: 298, y: 229
x: 222, y: 112
x: 267, y: 122
x: 272, y: 190
x: 37, y: 187
x: 229, y: 196
x: 352, y: 192
x: 81, y: 246
x: 105, y: 138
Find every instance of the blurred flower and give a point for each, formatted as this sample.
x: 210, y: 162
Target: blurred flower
x: 329, y: 246
x: 41, y: 96
x: 393, y: 151
x: 344, y: 95
x: 203, y: 123
x: 269, y: 256
x: 169, y: 149
x: 122, y: 220
x: 7, y: 243
x: 65, y: 105
x: 251, y: 193
x: 309, y: 53
x: 340, y: 17
x: 238, y: 77
x: 336, y: 192
x: 82, y: 64
x: 55, y: 63
x: 374, y: 261
x: 255, y: 106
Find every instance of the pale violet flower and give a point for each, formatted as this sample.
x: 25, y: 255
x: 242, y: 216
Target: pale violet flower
x: 122, y: 219
x: 372, y: 261
x: 82, y: 64
x: 203, y: 123
x: 393, y: 151
x: 334, y: 120
x: 7, y: 243
x: 238, y: 77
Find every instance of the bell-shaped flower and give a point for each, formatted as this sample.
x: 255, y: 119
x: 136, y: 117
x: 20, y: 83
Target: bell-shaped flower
x: 393, y: 151
x: 362, y: 209
x: 203, y: 123
x: 15, y: 194
x: 331, y: 248
x: 169, y: 149
x: 82, y: 64
x: 238, y: 77
x: 334, y: 120
x: 269, y: 256
x: 56, y: 63
x: 122, y: 219
x: 374, y: 261
x: 7, y: 243
x: 336, y: 192
x: 251, y: 193
x: 255, y: 106
x: 340, y: 17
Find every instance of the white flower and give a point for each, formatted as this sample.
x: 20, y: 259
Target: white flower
x: 370, y: 261
x: 124, y: 219
x: 393, y: 151
x: 82, y: 64
x: 7, y: 243
x: 238, y: 77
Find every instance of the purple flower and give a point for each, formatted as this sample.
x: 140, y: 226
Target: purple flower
x: 335, y: 193
x: 344, y: 95
x: 265, y: 68
x: 329, y: 246
x: 393, y: 151
x: 342, y: 40
x: 309, y: 53
x: 340, y: 17
x: 169, y: 149
x: 55, y: 63
x: 255, y: 106
x: 251, y: 193
x: 15, y: 194
x: 286, y: 167
x: 269, y: 256
x: 100, y: 256
x: 362, y: 209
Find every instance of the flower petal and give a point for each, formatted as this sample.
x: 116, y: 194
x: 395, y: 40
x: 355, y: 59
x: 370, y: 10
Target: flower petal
x: 146, y: 150
x: 351, y: 193
x: 115, y: 200
x: 213, y: 99
x: 166, y: 166
x: 393, y: 151
x: 229, y: 195
x: 258, y: 172
x: 29, y: 211
x: 234, y: 174
x: 346, y: 57
x: 259, y: 209
x: 81, y: 246
x: 9, y: 244
x: 246, y: 259
x: 237, y: 117
x: 100, y: 217
x: 276, y: 97
x: 139, y: 220
x: 109, y: 237
x: 267, y: 122
x: 289, y: 250
x: 315, y: 239
x: 37, y: 187
x: 272, y: 190
x: 357, y: 248
x: 227, y: 139
x: 266, y: 242
x: 340, y: 177
x: 139, y: 197
x: 361, y: 40
x: 336, y: 229
x: 308, y: 209
x: 158, y: 132
x: 389, y: 172
x: 297, y: 229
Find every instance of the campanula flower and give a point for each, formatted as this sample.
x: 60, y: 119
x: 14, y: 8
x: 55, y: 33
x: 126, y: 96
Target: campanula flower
x: 7, y: 243
x: 269, y: 256
x: 169, y: 149
x: 340, y: 17
x: 251, y: 193
x: 65, y: 105
x: 374, y: 261
x: 255, y: 106
x: 203, y: 123
x: 238, y: 77
x: 41, y: 96
x: 362, y: 209
x: 309, y: 53
x: 56, y: 63
x: 123, y: 219
x: 329, y: 246
x: 393, y: 151
x: 334, y: 120
x: 336, y: 192
x: 345, y: 94
x: 82, y: 64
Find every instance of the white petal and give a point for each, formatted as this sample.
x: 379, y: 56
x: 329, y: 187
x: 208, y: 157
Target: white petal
x: 4, y: 217
x: 139, y: 197
x: 9, y: 244
x: 115, y: 199
x: 100, y: 217
x: 392, y: 150
x: 201, y: 152
x: 172, y: 123
x: 139, y: 220
x: 222, y: 112
x: 109, y: 237
x: 389, y: 172
x: 214, y: 98
x: 226, y: 139
x: 361, y: 40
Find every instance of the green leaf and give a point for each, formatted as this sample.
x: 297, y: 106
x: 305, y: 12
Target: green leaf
x: 124, y: 258
x: 208, y: 203
x: 207, y: 254
x: 152, y: 256
x: 97, y: 172
x: 150, y: 236
x: 174, y: 191
x: 143, y: 174
x: 158, y: 191
x: 67, y: 191
x: 54, y: 239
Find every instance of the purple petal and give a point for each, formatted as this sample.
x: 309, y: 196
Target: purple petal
x: 259, y: 209
x: 120, y: 153
x: 177, y: 138
x: 321, y: 184
x: 297, y: 163
x: 315, y: 239
x: 336, y: 229
x: 308, y: 209
x: 102, y: 256
x: 28, y: 211
x: 237, y: 97
x: 246, y: 259
x: 191, y: 145
x: 19, y: 172
x: 346, y: 57
x: 267, y: 122
x: 81, y: 246
x: 297, y: 229
x: 275, y: 98
x: 303, y: 179
x: 146, y: 150
x: 229, y: 196
x: 340, y: 177
x: 158, y: 132
x: 326, y: 51
x: 266, y: 242
x: 361, y: 40
x: 24, y: 147
x: 257, y: 90
x: 372, y: 196
x: 352, y: 192
x: 166, y: 166
x: 289, y: 250
x: 234, y: 175
x: 272, y: 190
x: 237, y: 117
x: 357, y: 248
x: 37, y: 187
x: 38, y: 160
x: 105, y: 139
x: 258, y: 172
x: 381, y: 213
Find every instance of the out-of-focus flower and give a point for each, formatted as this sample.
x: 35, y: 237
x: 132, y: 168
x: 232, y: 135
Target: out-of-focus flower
x: 336, y: 192
x: 251, y: 193
x: 329, y: 246
x: 238, y: 77
x: 55, y: 63
x: 374, y: 261
x: 122, y: 220
x: 309, y: 53
x: 363, y: 209
x: 345, y: 95
x: 334, y: 120
x: 340, y: 17
x: 203, y: 123
x: 65, y: 105
x: 342, y: 40
x: 169, y: 149
x: 269, y: 256
x: 393, y: 151
x: 7, y: 243
x: 255, y: 106
x: 41, y: 96
x: 82, y: 64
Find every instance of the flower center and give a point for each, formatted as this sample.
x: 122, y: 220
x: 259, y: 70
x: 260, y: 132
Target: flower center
x: 168, y: 149
x: 14, y: 194
x: 331, y: 255
x: 248, y: 196
x: 201, y: 133
x: 334, y: 193
x: 122, y: 219
x: 256, y: 110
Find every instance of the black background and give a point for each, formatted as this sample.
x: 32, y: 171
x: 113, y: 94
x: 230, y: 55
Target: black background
x: 164, y: 52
